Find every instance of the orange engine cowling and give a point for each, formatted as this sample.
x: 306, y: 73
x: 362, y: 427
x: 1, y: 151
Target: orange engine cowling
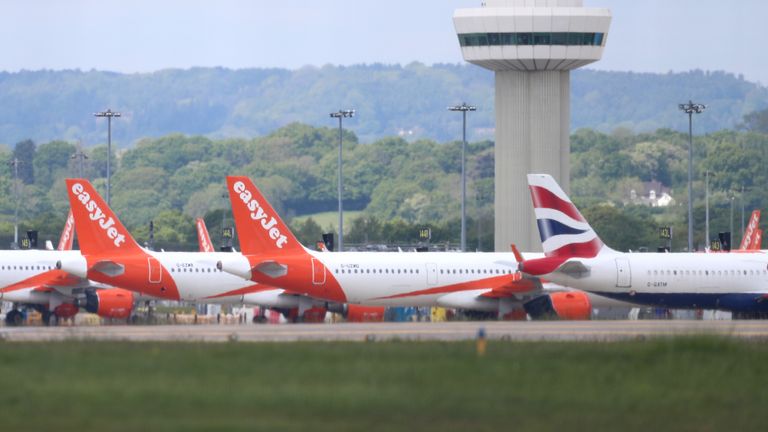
x: 65, y: 310
x: 110, y: 303
x: 567, y: 305
x: 356, y: 313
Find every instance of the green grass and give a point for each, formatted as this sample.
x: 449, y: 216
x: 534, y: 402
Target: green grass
x: 331, y: 218
x: 687, y: 384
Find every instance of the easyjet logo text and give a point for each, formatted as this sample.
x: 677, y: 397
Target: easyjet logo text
x: 266, y: 222
x: 97, y: 215
x: 67, y: 234
x: 201, y: 234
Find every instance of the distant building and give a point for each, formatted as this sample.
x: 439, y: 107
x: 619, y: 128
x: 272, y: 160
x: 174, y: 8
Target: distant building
x: 654, y: 194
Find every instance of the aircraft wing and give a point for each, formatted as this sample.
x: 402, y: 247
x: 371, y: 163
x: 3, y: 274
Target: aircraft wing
x: 51, y: 280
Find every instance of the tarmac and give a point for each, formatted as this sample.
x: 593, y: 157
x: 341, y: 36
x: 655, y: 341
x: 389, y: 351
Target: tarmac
x: 601, y: 331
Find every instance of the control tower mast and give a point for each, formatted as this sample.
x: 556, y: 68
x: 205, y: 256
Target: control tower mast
x: 531, y: 45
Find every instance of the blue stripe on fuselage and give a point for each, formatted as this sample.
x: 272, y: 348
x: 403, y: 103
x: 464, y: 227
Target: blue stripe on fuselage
x: 740, y: 302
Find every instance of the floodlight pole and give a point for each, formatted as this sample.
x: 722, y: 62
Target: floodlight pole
x: 690, y: 108
x: 80, y: 156
x: 707, y: 174
x: 341, y: 114
x: 463, y: 108
x: 108, y: 114
x: 15, y: 164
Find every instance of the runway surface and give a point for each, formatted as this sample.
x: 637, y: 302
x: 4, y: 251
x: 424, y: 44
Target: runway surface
x: 443, y: 331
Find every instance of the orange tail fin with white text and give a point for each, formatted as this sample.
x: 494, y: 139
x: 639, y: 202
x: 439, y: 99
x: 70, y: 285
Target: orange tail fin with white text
x: 67, y: 234
x: 748, y: 241
x: 203, y: 239
x: 98, y: 228
x: 259, y: 226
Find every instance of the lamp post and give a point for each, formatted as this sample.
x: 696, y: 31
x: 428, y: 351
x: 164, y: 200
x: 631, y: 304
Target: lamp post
x: 108, y: 114
x: 741, y: 198
x: 15, y: 162
x: 80, y: 156
x: 463, y: 108
x: 732, y: 236
x: 707, y: 174
x: 690, y: 108
x: 341, y: 114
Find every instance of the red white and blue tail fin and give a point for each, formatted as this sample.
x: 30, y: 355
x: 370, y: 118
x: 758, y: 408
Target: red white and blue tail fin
x: 563, y: 230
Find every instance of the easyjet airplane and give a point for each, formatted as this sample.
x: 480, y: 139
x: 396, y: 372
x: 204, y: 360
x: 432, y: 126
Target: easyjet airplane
x: 290, y: 305
x: 272, y: 255
x: 30, y: 277
x: 575, y: 256
x: 110, y: 255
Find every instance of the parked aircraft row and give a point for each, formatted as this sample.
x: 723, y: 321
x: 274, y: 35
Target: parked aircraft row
x: 111, y: 272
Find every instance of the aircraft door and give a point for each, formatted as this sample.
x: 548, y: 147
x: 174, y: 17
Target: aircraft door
x: 623, y: 273
x: 318, y: 272
x: 155, y: 270
x: 431, y: 274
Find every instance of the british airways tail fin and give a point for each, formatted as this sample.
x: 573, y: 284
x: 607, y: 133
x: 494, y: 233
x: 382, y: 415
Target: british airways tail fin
x: 563, y: 230
x: 98, y: 228
x: 203, y: 239
x: 259, y: 226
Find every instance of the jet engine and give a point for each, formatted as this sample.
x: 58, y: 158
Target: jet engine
x: 65, y: 310
x: 110, y: 303
x: 357, y: 313
x: 567, y: 305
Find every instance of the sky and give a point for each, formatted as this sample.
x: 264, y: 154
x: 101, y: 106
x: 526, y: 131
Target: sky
x: 149, y: 35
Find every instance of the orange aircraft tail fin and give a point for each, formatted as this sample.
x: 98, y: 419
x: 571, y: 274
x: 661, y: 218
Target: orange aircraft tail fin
x: 203, y: 239
x: 98, y: 228
x: 749, y: 233
x: 259, y: 226
x: 67, y: 234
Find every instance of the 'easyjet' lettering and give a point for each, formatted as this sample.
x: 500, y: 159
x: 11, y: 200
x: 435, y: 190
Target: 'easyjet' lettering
x: 268, y: 223
x: 97, y: 215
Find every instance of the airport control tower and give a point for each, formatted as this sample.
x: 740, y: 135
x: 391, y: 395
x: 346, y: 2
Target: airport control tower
x: 531, y: 45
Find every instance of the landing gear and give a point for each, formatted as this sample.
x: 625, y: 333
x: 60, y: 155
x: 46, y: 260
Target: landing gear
x: 47, y: 317
x: 14, y: 318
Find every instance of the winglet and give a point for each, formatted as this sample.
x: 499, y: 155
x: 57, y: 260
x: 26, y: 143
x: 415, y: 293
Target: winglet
x: 203, y: 239
x: 516, y: 252
x: 259, y: 226
x: 67, y: 234
x: 98, y: 228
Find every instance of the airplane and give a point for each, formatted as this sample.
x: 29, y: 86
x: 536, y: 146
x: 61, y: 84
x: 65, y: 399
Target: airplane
x: 272, y: 255
x: 110, y: 255
x: 30, y: 278
x: 576, y: 257
x: 291, y: 305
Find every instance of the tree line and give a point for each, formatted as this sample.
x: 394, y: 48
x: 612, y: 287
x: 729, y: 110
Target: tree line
x: 399, y: 186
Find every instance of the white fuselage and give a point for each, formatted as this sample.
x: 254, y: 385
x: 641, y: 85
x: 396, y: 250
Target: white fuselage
x: 414, y: 278
x: 732, y: 281
x: 19, y: 265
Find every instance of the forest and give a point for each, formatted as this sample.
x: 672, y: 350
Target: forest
x: 396, y: 185
x: 390, y: 100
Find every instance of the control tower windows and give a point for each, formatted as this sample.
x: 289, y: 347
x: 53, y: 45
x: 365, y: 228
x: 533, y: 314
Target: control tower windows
x: 537, y: 38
